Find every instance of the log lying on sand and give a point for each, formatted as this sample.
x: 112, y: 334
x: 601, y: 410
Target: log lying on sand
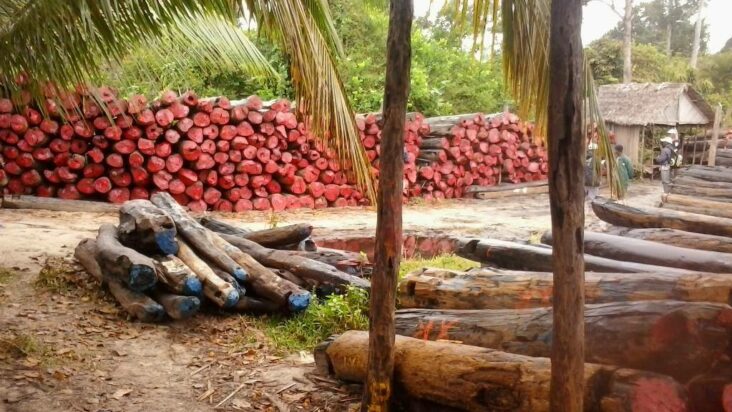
x: 701, y: 206
x: 137, y: 304
x: 679, y: 339
x: 177, y: 277
x: 56, y: 205
x: 518, y: 256
x: 480, y: 379
x: 197, y: 236
x: 683, y: 180
x: 214, y: 288
x: 495, y: 289
x: 679, y: 238
x: 147, y: 228
x: 348, y: 262
x: 133, y: 269
x: 507, y: 190
x: 177, y: 306
x: 622, y: 215
x: 272, y: 238
x: 652, y: 253
x: 711, y: 173
x: 304, y: 268
x: 720, y: 194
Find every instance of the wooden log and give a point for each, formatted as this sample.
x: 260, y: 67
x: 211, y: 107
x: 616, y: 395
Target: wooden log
x: 348, y: 262
x: 230, y: 280
x: 177, y: 306
x: 197, y: 235
x: 133, y: 269
x: 652, y: 253
x: 517, y: 256
x: 248, y: 304
x: 712, y: 207
x: 679, y: 238
x: 711, y: 173
x: 495, y: 289
x: 57, y: 205
x: 214, y: 288
x: 679, y: 339
x: 508, y: 192
x: 503, y: 187
x: 622, y: 215
x: 471, y: 378
x: 683, y: 180
x: 289, y: 276
x: 272, y: 238
x: 177, y: 277
x: 300, y: 266
x: 712, y: 193
x: 147, y: 228
x: 137, y: 304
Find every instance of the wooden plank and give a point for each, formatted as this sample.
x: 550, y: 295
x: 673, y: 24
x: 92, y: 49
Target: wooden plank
x: 679, y: 238
x: 715, y: 136
x: 56, y: 204
x: 513, y: 192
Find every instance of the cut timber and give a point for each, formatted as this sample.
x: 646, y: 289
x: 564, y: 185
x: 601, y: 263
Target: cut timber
x: 504, y: 187
x: 137, y: 304
x: 176, y: 306
x: 679, y: 339
x: 248, y: 304
x: 711, y: 193
x: 263, y: 281
x: 214, y: 288
x: 711, y: 173
x: 683, y: 180
x: 508, y: 192
x: 697, y: 205
x: 679, y: 238
x: 57, y: 205
x: 177, y: 277
x: 287, y: 275
x: 495, y: 289
x: 652, y: 253
x: 147, y: 228
x: 273, y: 238
x: 479, y: 379
x: 349, y: 262
x: 621, y: 215
x: 197, y: 236
x: 132, y: 268
x: 301, y: 267
x: 517, y: 256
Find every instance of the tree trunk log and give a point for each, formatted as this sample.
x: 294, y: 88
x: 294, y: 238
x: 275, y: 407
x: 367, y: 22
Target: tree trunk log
x: 256, y: 306
x: 137, y: 304
x: 274, y: 238
x: 621, y: 215
x: 711, y: 173
x: 507, y: 192
x: 214, y: 288
x: 684, y: 180
x: 492, y: 289
x: 517, y: 256
x: 679, y: 238
x: 133, y: 269
x: 504, y: 187
x: 348, y: 262
x: 708, y: 206
x: 679, y: 339
x: 711, y: 193
x: 177, y: 306
x: 57, y: 205
x: 197, y: 236
x: 652, y: 253
x: 479, y: 379
x: 177, y: 277
x: 147, y: 228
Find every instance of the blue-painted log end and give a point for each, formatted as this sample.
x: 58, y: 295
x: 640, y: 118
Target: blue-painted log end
x: 189, y: 307
x: 240, y: 274
x: 193, y: 287
x: 232, y: 299
x: 141, y: 278
x: 153, y: 313
x: 299, y: 302
x: 166, y: 242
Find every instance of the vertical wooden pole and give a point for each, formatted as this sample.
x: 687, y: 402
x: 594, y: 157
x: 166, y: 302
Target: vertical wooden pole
x: 715, y: 136
x: 566, y: 197
x: 388, y: 249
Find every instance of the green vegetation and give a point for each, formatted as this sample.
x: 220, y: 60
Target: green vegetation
x: 19, y: 345
x: 447, y: 261
x: 6, y: 274
x: 58, y: 276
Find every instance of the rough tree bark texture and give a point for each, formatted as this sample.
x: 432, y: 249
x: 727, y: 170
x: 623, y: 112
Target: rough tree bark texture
x: 679, y: 238
x: 377, y: 391
x: 566, y: 198
x: 628, y: 42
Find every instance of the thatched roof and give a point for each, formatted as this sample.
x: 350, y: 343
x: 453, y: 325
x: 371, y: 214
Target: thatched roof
x: 640, y: 104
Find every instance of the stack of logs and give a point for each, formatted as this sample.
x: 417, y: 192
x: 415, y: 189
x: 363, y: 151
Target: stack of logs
x: 461, y: 151
x: 160, y: 261
x: 703, y: 190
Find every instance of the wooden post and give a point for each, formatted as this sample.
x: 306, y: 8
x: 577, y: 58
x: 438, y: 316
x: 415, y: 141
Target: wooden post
x: 566, y: 197
x: 388, y: 249
x: 715, y: 136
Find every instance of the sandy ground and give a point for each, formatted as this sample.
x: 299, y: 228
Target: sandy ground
x: 92, y: 359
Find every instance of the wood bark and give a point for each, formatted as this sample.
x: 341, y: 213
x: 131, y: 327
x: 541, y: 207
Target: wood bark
x: 257, y: 306
x: 495, y: 289
x: 177, y: 277
x: 718, y: 112
x: 622, y: 215
x: 177, y: 306
x: 471, y: 378
x: 712, y: 193
x: 512, y: 192
x: 214, y: 288
x: 197, y: 236
x: 679, y: 339
x: 348, y: 262
x: 697, y: 205
x: 710, y: 173
x: 628, y: 42
x: 147, y: 228
x: 696, y: 42
x: 679, y: 238
x: 137, y: 304
x: 683, y: 180
x: 273, y: 238
x: 652, y: 253
x: 517, y: 256
x: 57, y: 205
x: 387, y: 251
x: 504, y: 187
x: 133, y: 269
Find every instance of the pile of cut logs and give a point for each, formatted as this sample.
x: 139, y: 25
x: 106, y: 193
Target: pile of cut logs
x: 159, y: 260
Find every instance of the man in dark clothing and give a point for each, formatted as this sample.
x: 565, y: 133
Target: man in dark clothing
x: 625, y: 170
x: 666, y: 159
x: 592, y: 181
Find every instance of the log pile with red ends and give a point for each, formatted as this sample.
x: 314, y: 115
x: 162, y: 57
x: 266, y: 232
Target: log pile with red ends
x: 467, y: 150
x: 159, y: 260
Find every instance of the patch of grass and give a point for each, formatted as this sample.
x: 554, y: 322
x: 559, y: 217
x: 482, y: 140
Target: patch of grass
x: 59, y: 276
x: 19, y: 345
x: 447, y: 261
x: 6, y: 274
x: 323, y: 318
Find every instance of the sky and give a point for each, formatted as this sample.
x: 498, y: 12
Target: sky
x: 598, y: 19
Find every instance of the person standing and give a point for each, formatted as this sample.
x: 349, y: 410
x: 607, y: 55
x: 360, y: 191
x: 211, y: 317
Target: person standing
x: 592, y: 180
x: 666, y: 159
x: 625, y: 170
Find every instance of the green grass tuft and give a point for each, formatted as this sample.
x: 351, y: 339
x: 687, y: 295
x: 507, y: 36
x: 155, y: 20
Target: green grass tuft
x: 6, y: 274
x: 448, y: 261
x: 58, y: 276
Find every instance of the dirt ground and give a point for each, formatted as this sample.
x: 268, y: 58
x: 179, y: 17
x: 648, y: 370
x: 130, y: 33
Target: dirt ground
x: 79, y: 353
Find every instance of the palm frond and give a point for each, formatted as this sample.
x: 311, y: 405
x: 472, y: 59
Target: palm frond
x: 320, y: 12
x: 317, y: 85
